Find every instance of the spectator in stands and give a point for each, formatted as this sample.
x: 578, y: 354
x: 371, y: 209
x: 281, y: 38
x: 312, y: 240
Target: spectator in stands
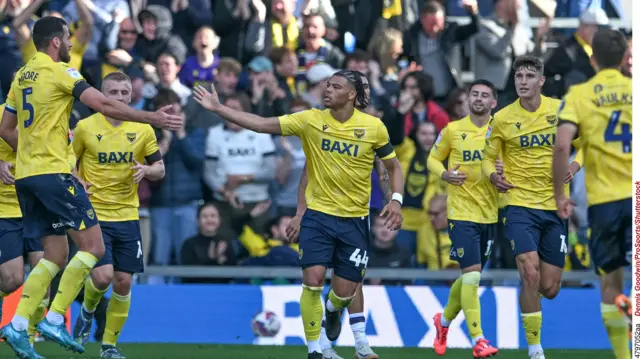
x: 208, y: 247
x: 386, y: 253
x: 289, y: 167
x: 285, y: 62
x: 168, y: 68
x: 157, y: 38
x: 199, y: 69
x: 188, y: 16
x: 502, y: 38
x: 358, y: 60
x: 267, y: 98
x: 420, y: 184
x: 437, y: 246
x: 80, y: 31
x: 570, y: 63
x: 227, y: 76
x: 281, y: 30
x: 175, y: 200
x: 117, y: 46
x: 104, y: 12
x: 137, y: 84
x: 627, y: 63
x: 270, y: 249
x: 457, y: 106
x: 432, y: 41
x: 316, y: 78
x: 313, y: 48
x: 10, y: 56
x: 416, y: 104
x: 386, y: 49
x: 240, y: 165
x: 230, y: 20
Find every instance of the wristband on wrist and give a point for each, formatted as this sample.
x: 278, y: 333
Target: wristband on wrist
x: 397, y: 197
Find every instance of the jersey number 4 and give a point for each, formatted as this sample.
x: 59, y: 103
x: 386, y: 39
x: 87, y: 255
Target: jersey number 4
x: 26, y: 106
x: 625, y: 132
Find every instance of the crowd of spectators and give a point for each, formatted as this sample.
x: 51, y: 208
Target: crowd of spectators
x: 229, y: 193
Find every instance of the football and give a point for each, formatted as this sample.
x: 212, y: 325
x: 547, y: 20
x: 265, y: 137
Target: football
x: 265, y: 324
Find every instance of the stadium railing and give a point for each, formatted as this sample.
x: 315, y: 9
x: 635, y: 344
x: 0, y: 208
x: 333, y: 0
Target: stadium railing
x: 381, y: 273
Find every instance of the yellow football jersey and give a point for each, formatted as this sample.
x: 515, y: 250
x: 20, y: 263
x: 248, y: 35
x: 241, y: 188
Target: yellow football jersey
x: 525, y: 140
x: 9, y: 206
x: 41, y: 95
x: 601, y: 108
x: 340, y: 158
x: 106, y: 154
x: 463, y: 143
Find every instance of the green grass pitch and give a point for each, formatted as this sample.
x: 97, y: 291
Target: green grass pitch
x: 195, y: 351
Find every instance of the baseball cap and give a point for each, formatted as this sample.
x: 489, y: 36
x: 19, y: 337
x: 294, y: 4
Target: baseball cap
x: 260, y: 64
x: 594, y: 16
x: 320, y: 72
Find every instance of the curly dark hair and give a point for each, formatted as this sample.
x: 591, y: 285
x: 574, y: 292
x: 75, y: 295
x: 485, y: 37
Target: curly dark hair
x: 355, y: 79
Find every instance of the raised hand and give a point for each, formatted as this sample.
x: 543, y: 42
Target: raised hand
x: 454, y: 177
x: 208, y: 100
x: 164, y: 119
x: 260, y: 208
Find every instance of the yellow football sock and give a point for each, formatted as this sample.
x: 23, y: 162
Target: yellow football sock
x: 35, y: 288
x: 92, y: 295
x: 338, y: 302
x: 454, y: 306
x: 532, y: 323
x: 471, y: 303
x: 617, y: 330
x: 37, y: 318
x: 117, y: 314
x: 72, y: 280
x: 311, y: 311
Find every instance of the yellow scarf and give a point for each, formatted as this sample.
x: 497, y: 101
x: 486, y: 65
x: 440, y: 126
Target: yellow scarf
x: 586, y: 47
x: 391, y: 8
x: 277, y: 36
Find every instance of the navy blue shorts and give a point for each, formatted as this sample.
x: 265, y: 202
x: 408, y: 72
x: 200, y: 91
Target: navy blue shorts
x: 330, y: 241
x: 611, y: 232
x: 13, y: 244
x: 52, y: 203
x: 536, y: 230
x: 471, y: 242
x: 122, y: 246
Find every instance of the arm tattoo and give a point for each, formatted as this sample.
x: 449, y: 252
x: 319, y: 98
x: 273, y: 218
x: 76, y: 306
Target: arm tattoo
x: 384, y: 185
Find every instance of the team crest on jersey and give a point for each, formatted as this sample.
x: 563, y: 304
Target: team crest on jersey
x: 460, y: 252
x: 131, y: 137
x: 359, y: 133
x: 91, y: 214
x: 552, y: 120
x: 598, y: 88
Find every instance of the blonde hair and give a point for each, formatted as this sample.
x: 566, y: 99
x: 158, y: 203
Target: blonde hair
x: 381, y: 47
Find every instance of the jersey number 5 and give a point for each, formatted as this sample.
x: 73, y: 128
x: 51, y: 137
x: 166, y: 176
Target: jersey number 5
x: 625, y: 132
x: 26, y: 106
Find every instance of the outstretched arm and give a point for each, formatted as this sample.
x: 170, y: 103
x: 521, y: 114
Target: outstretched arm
x: 119, y: 111
x: 211, y: 102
